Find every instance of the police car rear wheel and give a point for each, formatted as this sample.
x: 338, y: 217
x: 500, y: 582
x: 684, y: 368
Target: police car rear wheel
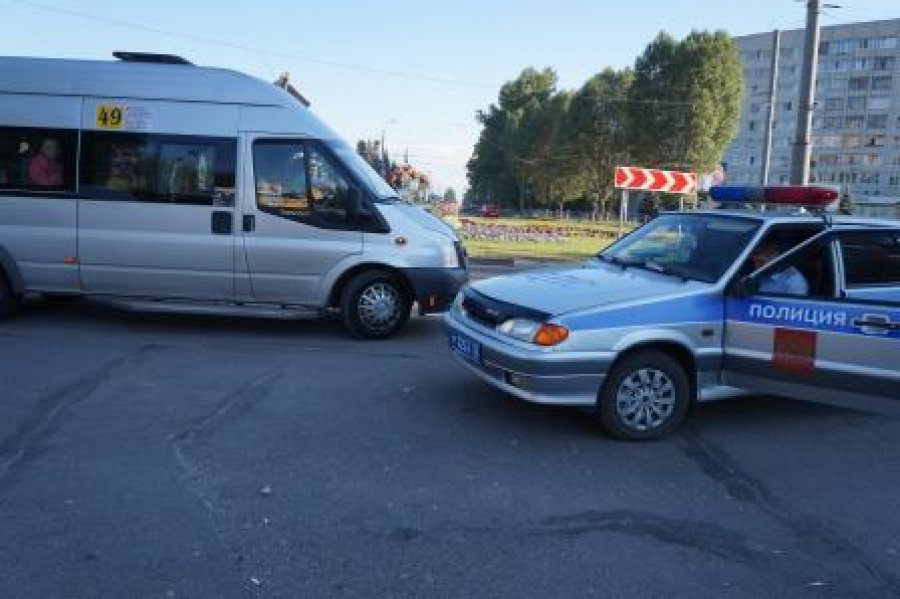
x: 646, y: 396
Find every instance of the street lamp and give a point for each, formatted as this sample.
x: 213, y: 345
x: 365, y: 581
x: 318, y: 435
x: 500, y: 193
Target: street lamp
x: 384, y: 127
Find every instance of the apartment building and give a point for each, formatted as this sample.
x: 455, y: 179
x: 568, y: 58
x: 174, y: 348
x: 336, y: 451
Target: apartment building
x: 856, y: 123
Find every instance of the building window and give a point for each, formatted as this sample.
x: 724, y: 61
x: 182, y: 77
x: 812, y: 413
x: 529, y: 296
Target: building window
x: 883, y: 83
x: 877, y: 121
x: 788, y: 106
x: 752, y: 160
x: 882, y: 43
x: 856, y: 104
x: 857, y: 84
x: 854, y: 122
x: 834, y: 104
x: 884, y: 63
x: 879, y: 103
x: 751, y: 126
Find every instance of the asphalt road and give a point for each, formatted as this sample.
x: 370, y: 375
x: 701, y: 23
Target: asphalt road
x: 148, y: 456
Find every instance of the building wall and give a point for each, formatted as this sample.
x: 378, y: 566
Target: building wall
x: 856, y: 123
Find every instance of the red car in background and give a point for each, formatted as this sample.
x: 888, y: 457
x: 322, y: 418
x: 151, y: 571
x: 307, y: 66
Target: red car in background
x: 490, y: 211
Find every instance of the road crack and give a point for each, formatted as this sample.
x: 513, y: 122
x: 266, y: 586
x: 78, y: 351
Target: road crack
x: 815, y: 537
x: 23, y: 445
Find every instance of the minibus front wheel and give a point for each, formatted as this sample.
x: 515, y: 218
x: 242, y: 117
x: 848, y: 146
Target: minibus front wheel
x: 375, y: 305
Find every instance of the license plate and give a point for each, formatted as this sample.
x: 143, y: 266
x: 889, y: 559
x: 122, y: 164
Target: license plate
x: 465, y: 347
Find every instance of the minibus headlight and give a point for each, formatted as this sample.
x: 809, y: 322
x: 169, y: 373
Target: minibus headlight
x: 449, y: 257
x: 458, y: 303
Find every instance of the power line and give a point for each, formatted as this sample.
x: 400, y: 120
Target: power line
x: 246, y: 48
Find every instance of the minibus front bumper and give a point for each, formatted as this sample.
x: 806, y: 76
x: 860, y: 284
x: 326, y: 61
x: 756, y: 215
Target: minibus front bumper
x: 436, y: 287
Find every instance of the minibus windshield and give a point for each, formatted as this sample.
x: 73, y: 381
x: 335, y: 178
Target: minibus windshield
x: 362, y: 169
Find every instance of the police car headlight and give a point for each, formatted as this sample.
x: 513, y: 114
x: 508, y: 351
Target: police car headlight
x: 544, y: 334
x: 519, y: 328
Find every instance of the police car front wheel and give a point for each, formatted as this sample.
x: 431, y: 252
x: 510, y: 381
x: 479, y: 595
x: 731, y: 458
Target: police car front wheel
x: 646, y: 396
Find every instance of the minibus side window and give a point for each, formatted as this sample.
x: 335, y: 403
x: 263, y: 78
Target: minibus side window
x: 330, y: 191
x: 281, y: 181
x: 37, y: 161
x: 169, y: 169
x: 300, y: 181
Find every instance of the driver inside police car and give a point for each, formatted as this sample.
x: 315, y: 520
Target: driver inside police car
x: 788, y: 281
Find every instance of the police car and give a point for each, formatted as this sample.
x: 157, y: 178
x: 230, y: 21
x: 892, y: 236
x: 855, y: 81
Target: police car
x: 781, y: 298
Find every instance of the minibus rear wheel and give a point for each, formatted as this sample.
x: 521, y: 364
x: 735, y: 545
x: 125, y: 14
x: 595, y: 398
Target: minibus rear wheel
x: 375, y: 305
x: 9, y: 303
x: 645, y: 396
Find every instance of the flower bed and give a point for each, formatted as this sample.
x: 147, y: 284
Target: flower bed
x: 541, y: 232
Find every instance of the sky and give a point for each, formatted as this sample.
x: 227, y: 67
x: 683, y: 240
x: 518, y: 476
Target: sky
x: 415, y: 71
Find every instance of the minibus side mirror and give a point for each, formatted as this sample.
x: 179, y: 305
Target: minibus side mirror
x: 364, y: 215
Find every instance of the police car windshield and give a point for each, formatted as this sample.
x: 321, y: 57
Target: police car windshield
x: 689, y: 246
x: 362, y: 170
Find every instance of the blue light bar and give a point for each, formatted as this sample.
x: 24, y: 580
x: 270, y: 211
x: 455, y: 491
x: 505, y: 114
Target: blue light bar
x: 790, y: 195
x: 742, y: 194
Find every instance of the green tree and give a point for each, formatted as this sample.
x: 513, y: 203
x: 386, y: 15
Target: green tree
x: 450, y: 195
x: 515, y: 134
x: 375, y: 155
x: 597, y: 127
x: 684, y: 103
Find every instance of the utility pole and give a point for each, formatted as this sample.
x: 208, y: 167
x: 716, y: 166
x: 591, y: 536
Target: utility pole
x: 803, y: 143
x: 773, y: 96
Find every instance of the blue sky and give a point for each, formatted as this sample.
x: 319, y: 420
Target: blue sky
x: 416, y: 69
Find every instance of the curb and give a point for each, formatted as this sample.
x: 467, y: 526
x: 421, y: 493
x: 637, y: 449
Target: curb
x: 520, y: 262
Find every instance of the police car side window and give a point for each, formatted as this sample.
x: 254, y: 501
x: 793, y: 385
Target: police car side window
x: 871, y: 259
x: 809, y: 274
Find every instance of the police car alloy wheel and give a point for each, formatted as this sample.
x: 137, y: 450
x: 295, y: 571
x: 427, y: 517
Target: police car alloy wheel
x: 375, y: 305
x: 646, y: 396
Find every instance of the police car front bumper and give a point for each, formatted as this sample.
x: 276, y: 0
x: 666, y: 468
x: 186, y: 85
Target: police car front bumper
x: 535, y: 375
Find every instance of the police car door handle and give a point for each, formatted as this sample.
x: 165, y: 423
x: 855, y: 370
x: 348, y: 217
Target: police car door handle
x: 877, y: 324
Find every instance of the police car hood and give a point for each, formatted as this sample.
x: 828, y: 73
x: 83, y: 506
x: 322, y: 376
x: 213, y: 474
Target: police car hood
x: 558, y: 291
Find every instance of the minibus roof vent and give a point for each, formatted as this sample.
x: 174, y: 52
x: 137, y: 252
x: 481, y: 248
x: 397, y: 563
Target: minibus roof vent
x: 150, y: 58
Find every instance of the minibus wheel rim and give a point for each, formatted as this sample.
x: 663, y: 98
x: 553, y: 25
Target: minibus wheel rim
x: 379, y: 306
